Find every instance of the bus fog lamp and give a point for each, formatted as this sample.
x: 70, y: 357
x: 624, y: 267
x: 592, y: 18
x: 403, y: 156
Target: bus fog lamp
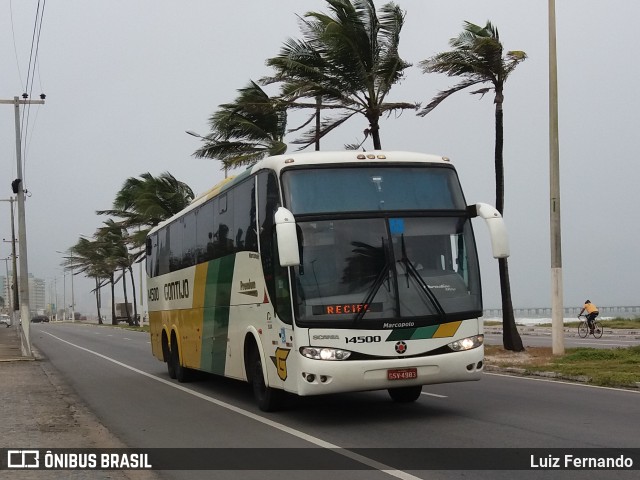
x: 467, y: 343
x: 319, y: 353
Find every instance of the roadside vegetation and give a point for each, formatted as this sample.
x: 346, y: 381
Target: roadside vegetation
x: 616, y: 367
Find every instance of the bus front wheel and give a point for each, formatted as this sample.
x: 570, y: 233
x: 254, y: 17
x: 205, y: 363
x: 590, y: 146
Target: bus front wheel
x: 268, y: 399
x: 405, y: 394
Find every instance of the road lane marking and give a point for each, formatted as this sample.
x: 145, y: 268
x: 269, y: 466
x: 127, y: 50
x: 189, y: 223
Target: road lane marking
x: 434, y: 395
x: 551, y: 380
x: 279, y: 426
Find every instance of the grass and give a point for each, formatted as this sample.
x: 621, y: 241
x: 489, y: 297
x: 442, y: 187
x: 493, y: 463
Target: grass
x: 618, y: 367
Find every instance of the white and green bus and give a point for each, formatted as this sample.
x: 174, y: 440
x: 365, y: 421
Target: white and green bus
x: 317, y: 273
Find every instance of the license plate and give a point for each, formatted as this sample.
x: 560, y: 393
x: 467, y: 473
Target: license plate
x: 402, y: 373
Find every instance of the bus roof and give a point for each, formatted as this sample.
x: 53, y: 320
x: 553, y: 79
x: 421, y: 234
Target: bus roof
x: 346, y: 156
x: 279, y: 162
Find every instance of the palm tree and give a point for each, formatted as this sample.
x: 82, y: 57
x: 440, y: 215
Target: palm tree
x: 248, y: 129
x: 87, y: 256
x: 477, y: 57
x: 113, y: 235
x: 348, y: 61
x: 141, y: 204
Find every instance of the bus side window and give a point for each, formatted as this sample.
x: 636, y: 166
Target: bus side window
x: 189, y: 240
x: 276, y: 277
x: 204, y: 233
x: 223, y: 226
x: 151, y: 254
x: 245, y: 216
x: 162, y: 253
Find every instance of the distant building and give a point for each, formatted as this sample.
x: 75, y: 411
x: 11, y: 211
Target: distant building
x: 37, y: 290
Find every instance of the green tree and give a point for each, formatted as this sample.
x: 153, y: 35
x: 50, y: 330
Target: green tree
x: 477, y: 57
x: 347, y: 61
x: 113, y: 236
x: 88, y: 257
x: 252, y: 127
x: 140, y: 204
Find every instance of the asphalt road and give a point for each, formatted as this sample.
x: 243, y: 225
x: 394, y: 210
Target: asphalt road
x: 113, y: 371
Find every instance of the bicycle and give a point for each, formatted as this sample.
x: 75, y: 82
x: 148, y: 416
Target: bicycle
x: 583, y: 328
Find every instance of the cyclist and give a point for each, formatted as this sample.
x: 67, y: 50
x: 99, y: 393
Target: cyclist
x: 592, y: 313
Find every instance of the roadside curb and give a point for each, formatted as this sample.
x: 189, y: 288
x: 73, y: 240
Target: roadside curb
x: 523, y: 372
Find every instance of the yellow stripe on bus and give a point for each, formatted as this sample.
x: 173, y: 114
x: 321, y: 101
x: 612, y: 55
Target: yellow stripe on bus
x: 199, y: 285
x: 447, y: 329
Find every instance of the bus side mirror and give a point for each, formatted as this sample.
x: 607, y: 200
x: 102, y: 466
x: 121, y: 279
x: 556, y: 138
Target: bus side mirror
x: 497, y: 229
x: 287, y: 238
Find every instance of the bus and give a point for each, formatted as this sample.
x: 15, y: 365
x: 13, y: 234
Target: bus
x: 324, y: 272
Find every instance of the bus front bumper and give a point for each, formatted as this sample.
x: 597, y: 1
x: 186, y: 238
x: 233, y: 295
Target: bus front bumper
x: 318, y: 377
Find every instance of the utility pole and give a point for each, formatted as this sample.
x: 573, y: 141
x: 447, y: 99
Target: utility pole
x: 22, y: 226
x: 557, y: 309
x: 14, y: 266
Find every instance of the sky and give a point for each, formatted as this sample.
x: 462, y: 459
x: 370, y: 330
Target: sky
x: 125, y: 79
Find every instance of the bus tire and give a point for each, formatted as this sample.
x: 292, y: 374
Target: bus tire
x: 268, y: 399
x: 166, y: 353
x: 405, y: 394
x: 183, y: 374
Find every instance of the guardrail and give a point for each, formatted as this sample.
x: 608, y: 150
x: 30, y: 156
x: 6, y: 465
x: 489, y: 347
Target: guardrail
x: 545, y: 312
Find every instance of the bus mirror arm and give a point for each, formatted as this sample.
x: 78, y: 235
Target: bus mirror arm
x: 287, y: 237
x: 497, y: 229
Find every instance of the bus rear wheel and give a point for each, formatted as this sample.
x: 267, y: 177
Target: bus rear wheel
x: 405, y: 394
x: 182, y: 374
x: 268, y: 399
x: 166, y: 353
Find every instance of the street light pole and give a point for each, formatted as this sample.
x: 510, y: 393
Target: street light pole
x: 73, y: 313
x: 557, y: 310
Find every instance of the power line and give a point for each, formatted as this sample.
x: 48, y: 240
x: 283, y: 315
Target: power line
x: 33, y: 60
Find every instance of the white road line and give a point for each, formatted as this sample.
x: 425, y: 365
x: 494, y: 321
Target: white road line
x: 434, y: 395
x: 550, y: 380
x: 279, y: 426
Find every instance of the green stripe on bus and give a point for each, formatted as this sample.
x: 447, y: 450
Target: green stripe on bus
x: 420, y: 333
x: 215, y: 322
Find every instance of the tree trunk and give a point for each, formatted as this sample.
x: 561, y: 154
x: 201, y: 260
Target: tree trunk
x: 126, y: 299
x: 318, y: 122
x: 510, y: 336
x: 113, y: 301
x: 98, y: 300
x: 136, y: 319
x: 374, y: 130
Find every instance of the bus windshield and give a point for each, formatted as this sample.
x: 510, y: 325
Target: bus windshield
x: 375, y: 188
x: 397, y: 248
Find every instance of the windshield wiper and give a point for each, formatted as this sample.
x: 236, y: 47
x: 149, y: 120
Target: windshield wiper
x: 413, y: 272
x: 377, y: 283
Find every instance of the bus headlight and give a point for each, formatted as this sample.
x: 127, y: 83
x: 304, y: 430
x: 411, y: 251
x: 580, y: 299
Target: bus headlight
x: 320, y: 353
x: 467, y: 343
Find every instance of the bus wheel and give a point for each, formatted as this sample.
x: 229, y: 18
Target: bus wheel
x: 268, y: 399
x: 171, y: 368
x: 182, y: 374
x: 405, y: 394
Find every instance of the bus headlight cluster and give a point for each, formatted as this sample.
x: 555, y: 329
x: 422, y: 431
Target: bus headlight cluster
x: 467, y: 343
x: 320, y: 353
